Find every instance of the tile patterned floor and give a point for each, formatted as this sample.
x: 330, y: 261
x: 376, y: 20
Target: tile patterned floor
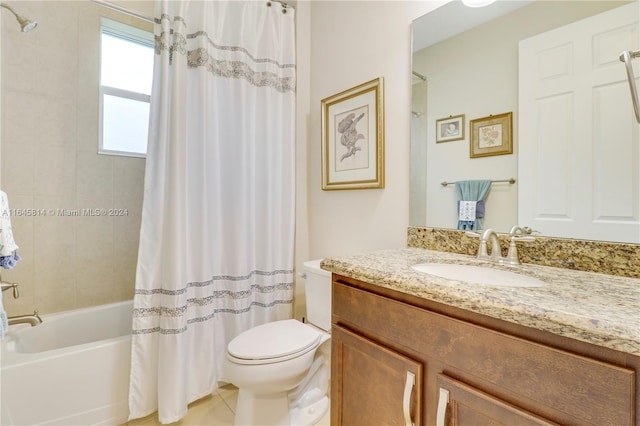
x: 215, y: 410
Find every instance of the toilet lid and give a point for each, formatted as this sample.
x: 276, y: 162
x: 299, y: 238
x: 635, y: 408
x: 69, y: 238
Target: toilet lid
x: 273, y: 340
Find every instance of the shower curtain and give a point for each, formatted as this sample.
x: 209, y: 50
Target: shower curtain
x: 216, y: 240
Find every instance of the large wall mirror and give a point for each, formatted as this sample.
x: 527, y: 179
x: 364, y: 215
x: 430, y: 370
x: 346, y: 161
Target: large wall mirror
x: 554, y: 66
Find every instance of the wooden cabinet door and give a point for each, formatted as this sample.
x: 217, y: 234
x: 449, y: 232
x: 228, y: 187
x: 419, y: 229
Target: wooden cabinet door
x: 371, y: 384
x: 462, y: 405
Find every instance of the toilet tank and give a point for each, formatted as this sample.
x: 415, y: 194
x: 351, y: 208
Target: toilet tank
x: 318, y: 294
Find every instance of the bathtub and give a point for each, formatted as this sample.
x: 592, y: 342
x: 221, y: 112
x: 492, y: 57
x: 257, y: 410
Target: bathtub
x: 73, y: 369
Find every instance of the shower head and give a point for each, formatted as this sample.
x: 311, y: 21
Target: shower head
x: 25, y: 24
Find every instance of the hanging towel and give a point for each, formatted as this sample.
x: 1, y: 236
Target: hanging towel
x: 471, y: 195
x: 8, y: 262
x: 4, y: 321
x: 8, y: 247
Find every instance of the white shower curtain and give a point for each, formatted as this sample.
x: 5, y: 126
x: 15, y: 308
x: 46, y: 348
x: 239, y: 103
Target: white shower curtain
x: 216, y: 241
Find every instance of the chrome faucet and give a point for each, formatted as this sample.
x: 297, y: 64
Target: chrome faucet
x: 517, y: 234
x: 26, y: 319
x: 489, y: 235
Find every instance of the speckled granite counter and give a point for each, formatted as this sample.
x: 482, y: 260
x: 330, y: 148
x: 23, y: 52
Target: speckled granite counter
x: 596, y: 308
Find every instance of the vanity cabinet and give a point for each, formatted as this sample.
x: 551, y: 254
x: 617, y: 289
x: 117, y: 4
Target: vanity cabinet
x: 376, y: 386
x: 468, y: 369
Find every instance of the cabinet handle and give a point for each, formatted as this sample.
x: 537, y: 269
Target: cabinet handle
x: 406, y: 399
x: 443, y: 401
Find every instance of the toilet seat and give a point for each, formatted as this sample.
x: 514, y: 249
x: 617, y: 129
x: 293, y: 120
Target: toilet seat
x: 273, y: 342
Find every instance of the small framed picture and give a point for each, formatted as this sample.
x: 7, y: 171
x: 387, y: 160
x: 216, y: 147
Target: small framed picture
x: 491, y: 135
x: 353, y: 138
x: 450, y: 128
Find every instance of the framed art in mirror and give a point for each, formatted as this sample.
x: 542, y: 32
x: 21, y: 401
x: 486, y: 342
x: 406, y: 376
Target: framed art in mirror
x: 450, y: 129
x: 353, y: 138
x: 491, y: 135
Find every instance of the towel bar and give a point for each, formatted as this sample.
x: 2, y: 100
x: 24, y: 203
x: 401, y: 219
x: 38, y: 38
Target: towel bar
x: 510, y: 181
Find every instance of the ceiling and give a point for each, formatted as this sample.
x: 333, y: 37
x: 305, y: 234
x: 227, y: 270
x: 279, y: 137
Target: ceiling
x: 454, y: 17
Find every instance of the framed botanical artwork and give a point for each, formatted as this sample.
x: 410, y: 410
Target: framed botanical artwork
x: 491, y: 135
x: 450, y: 128
x: 353, y: 138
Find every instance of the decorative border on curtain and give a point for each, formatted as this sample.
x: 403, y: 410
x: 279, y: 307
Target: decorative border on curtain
x: 218, y: 299
x: 175, y: 41
x: 203, y: 318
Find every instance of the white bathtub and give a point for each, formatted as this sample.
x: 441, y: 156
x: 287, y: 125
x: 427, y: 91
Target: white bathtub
x: 73, y: 369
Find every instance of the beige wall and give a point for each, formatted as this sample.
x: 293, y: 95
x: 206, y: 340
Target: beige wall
x: 50, y: 161
x: 342, y: 44
x: 353, y: 42
x: 303, y: 59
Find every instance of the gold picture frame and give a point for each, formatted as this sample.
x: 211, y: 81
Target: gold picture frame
x: 353, y: 138
x: 492, y: 135
x: 450, y: 128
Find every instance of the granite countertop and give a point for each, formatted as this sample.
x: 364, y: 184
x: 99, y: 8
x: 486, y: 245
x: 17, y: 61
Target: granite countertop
x: 596, y: 308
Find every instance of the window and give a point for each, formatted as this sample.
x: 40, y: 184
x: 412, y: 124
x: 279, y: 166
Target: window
x: 126, y: 76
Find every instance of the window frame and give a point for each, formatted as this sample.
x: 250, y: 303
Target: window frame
x: 134, y: 35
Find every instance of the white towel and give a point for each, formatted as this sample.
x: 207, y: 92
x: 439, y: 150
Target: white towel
x: 467, y: 211
x: 7, y: 244
x: 4, y: 321
x: 8, y: 248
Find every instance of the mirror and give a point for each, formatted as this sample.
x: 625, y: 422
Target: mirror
x: 465, y: 62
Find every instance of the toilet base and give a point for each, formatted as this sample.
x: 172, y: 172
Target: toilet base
x: 303, y: 406
x: 266, y: 409
x: 274, y: 410
x: 310, y: 415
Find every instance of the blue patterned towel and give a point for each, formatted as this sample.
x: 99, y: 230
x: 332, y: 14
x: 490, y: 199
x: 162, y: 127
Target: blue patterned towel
x: 471, y: 207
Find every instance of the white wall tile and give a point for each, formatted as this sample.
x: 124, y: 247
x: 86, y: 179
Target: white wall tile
x: 50, y: 161
x: 51, y: 121
x: 18, y: 169
x: 55, y: 170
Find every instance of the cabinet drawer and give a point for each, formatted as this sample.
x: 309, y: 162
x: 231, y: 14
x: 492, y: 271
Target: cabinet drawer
x: 539, y: 378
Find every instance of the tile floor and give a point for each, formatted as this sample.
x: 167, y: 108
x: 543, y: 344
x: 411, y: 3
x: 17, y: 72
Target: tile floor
x: 214, y: 410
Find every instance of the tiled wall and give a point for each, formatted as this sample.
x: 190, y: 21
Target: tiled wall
x: 50, y: 163
x: 583, y: 255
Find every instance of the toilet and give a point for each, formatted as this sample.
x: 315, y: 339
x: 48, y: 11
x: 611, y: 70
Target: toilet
x: 281, y: 375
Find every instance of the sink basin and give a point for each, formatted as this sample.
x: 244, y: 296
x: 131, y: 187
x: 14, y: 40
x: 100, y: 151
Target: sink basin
x: 478, y: 275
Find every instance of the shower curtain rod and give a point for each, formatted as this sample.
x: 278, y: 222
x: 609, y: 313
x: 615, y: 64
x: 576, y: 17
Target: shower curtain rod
x: 128, y: 11
x: 284, y: 4
x: 122, y: 9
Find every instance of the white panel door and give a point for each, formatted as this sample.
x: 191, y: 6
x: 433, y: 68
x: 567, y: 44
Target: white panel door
x: 578, y: 139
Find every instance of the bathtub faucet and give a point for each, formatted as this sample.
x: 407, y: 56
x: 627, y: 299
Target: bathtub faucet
x: 6, y: 286
x: 26, y: 319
